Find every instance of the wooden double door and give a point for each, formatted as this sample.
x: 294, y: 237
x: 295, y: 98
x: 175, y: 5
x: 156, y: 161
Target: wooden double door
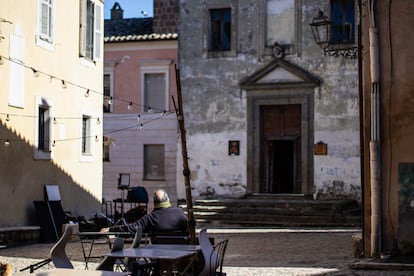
x: 280, y: 149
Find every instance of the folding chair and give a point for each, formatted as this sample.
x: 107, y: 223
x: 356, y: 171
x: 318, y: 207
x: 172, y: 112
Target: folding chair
x: 58, y: 253
x: 108, y: 263
x: 129, y: 262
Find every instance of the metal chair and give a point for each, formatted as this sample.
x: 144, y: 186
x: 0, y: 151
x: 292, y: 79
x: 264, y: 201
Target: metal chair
x: 109, y: 263
x: 213, y: 254
x: 219, y: 250
x: 144, y: 269
x: 129, y: 262
x: 170, y: 237
x: 58, y: 253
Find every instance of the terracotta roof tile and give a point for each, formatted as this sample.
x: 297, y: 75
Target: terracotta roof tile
x: 133, y: 29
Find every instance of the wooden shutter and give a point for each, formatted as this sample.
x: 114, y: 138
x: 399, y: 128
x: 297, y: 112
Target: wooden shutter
x: 82, y: 28
x: 97, y: 47
x: 46, y: 10
x: 17, y: 70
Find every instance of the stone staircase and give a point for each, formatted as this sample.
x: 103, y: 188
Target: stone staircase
x: 263, y: 210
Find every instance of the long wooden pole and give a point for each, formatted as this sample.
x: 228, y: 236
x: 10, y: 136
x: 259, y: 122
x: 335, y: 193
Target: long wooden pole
x: 186, y: 170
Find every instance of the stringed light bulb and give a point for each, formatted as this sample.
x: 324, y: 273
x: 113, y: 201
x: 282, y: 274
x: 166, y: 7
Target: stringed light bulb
x: 150, y: 110
x: 141, y: 127
x: 64, y: 85
x: 35, y: 73
x: 110, y: 101
x: 7, y: 143
x: 139, y: 118
x: 87, y: 93
x: 7, y: 118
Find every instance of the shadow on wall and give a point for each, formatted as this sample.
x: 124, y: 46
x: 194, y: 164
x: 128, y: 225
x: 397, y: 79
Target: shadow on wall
x: 23, y: 179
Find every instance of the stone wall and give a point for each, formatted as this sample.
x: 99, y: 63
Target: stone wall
x: 216, y: 106
x: 166, y: 16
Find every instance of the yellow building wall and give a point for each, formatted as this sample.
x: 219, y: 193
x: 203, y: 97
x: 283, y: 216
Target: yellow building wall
x: 23, y: 175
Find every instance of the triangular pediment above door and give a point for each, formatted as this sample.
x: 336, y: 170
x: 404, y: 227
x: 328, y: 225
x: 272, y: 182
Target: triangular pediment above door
x: 279, y: 74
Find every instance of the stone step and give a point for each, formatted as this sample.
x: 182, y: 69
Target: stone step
x: 281, y: 222
x: 282, y: 203
x: 277, y: 210
x: 276, y: 218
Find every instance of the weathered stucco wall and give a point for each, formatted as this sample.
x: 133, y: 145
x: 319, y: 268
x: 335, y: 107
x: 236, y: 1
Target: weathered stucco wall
x: 214, y: 109
x: 213, y: 171
x: 336, y: 117
x: 215, y: 106
x: 397, y: 125
x: 337, y: 174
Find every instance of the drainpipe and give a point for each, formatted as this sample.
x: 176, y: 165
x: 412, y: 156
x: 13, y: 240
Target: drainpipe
x: 374, y: 144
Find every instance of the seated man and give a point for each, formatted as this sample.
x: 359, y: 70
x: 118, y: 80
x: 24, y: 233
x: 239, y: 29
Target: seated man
x: 164, y: 218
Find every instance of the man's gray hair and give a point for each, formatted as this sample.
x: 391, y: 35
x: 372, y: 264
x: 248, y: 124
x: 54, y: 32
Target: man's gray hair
x: 160, y: 196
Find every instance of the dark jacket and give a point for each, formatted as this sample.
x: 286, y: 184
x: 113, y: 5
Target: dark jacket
x: 165, y: 219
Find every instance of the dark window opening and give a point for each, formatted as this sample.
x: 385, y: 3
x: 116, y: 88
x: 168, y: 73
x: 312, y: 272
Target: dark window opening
x: 86, y: 144
x: 43, y: 143
x: 107, y: 93
x: 343, y: 21
x: 220, y: 30
x: 105, y: 150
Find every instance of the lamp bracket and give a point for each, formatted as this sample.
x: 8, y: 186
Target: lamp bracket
x: 347, y: 52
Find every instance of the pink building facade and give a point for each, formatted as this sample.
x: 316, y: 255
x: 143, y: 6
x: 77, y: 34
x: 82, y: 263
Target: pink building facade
x: 140, y: 125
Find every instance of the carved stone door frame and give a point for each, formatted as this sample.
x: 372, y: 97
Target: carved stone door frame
x: 305, y: 99
x: 280, y: 83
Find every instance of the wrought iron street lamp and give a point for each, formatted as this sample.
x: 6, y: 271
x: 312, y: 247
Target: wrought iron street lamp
x: 322, y: 33
x: 321, y: 30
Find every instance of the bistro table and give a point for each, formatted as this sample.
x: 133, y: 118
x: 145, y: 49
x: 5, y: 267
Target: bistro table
x: 170, y: 252
x: 180, y: 247
x: 77, y: 272
x: 89, y: 239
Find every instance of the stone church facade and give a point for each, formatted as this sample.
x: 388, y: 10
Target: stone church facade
x: 265, y: 110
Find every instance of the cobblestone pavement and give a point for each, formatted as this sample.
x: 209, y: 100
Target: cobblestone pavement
x: 249, y: 252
